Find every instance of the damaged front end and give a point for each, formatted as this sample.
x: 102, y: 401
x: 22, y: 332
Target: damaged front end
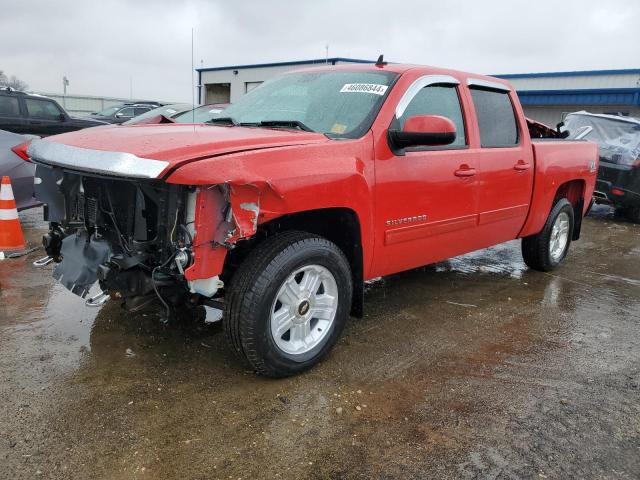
x: 141, y: 239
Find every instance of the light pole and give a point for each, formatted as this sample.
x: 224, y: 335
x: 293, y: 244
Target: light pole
x: 65, y: 84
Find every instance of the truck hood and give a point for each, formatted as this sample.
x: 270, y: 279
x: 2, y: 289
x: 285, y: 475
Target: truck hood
x: 152, y: 151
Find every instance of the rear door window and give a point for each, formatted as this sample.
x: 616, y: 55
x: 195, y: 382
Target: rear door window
x: 496, y: 118
x: 44, y: 109
x: 9, y: 106
x: 140, y: 110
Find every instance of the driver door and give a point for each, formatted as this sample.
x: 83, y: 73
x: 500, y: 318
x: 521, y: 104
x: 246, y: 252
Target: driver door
x: 426, y: 197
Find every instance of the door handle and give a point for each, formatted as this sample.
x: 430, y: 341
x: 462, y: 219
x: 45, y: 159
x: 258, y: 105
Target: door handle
x: 465, y: 171
x: 521, y: 166
x: 33, y: 122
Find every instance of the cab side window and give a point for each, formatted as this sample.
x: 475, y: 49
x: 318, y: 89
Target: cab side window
x: 127, y: 112
x: 440, y: 100
x: 9, y: 106
x: 44, y: 109
x: 496, y: 118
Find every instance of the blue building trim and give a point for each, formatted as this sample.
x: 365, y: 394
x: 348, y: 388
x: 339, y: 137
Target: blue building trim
x: 592, y: 96
x: 332, y: 61
x: 578, y: 73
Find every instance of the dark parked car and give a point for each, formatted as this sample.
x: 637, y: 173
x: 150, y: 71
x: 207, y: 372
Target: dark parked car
x: 618, y: 139
x: 122, y: 113
x: 167, y: 111
x: 31, y: 114
x: 20, y: 172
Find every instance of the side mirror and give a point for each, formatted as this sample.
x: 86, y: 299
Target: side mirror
x: 62, y: 117
x: 424, y: 130
x: 562, y: 130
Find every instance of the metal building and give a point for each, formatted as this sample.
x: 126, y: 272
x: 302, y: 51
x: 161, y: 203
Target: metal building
x: 546, y: 97
x: 228, y: 84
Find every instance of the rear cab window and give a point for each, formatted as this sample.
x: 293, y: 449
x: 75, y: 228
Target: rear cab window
x: 496, y: 118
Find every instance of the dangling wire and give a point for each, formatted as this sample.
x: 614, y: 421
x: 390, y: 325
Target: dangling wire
x: 155, y: 287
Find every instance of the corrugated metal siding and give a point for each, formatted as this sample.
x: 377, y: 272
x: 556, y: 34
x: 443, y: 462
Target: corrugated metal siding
x: 613, y: 96
x: 577, y: 82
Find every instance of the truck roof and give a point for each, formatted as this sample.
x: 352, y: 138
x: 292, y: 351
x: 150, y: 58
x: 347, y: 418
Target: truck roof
x: 401, y: 68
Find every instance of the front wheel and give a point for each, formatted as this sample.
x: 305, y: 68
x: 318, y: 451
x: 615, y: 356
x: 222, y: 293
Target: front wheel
x: 546, y: 250
x: 288, y: 302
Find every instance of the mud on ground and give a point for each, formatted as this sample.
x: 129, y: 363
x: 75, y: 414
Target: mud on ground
x: 473, y: 368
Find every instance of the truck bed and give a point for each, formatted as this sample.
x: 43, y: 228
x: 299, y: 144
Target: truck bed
x: 558, y: 162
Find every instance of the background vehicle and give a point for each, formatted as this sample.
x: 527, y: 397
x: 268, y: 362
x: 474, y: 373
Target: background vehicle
x: 618, y: 139
x: 167, y: 111
x: 25, y: 113
x: 124, y: 112
x: 279, y: 208
x: 201, y: 114
x: 20, y: 172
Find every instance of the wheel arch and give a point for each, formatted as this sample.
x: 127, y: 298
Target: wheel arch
x: 573, y: 191
x: 340, y: 225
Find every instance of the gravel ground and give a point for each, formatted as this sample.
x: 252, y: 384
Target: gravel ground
x: 472, y: 368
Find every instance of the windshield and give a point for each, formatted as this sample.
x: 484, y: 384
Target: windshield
x: 338, y: 103
x: 108, y: 112
x: 198, y: 115
x: 166, y: 110
x: 618, y: 140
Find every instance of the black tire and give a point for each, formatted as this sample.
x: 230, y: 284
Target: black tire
x: 536, y: 248
x: 252, y: 292
x: 633, y: 214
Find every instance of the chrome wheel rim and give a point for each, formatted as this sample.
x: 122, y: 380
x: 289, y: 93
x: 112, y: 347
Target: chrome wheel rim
x: 304, y: 309
x: 559, y: 237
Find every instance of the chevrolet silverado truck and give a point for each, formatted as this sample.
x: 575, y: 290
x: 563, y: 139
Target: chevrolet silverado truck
x: 280, y: 208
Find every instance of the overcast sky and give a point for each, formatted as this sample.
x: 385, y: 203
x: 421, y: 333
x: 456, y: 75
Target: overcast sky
x: 102, y: 45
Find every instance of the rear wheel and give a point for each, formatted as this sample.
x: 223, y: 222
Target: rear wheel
x: 288, y: 302
x: 547, y: 249
x: 633, y: 214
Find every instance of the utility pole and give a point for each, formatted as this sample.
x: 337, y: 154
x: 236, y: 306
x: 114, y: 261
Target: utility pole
x: 326, y: 57
x: 193, y: 91
x: 65, y: 83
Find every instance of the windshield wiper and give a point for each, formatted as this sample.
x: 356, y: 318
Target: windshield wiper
x: 224, y: 120
x: 279, y: 123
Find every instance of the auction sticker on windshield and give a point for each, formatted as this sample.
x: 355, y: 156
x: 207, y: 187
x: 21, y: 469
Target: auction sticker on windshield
x: 364, y: 88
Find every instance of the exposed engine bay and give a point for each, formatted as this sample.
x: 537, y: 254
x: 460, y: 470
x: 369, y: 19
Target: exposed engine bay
x: 134, y: 237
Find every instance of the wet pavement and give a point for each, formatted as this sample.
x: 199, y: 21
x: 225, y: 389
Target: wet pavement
x: 473, y: 368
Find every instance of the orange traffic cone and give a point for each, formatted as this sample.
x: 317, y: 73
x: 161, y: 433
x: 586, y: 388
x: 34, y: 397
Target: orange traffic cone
x: 11, y: 237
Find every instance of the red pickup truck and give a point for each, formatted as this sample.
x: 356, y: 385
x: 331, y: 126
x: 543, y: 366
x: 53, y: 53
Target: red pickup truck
x: 280, y: 208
